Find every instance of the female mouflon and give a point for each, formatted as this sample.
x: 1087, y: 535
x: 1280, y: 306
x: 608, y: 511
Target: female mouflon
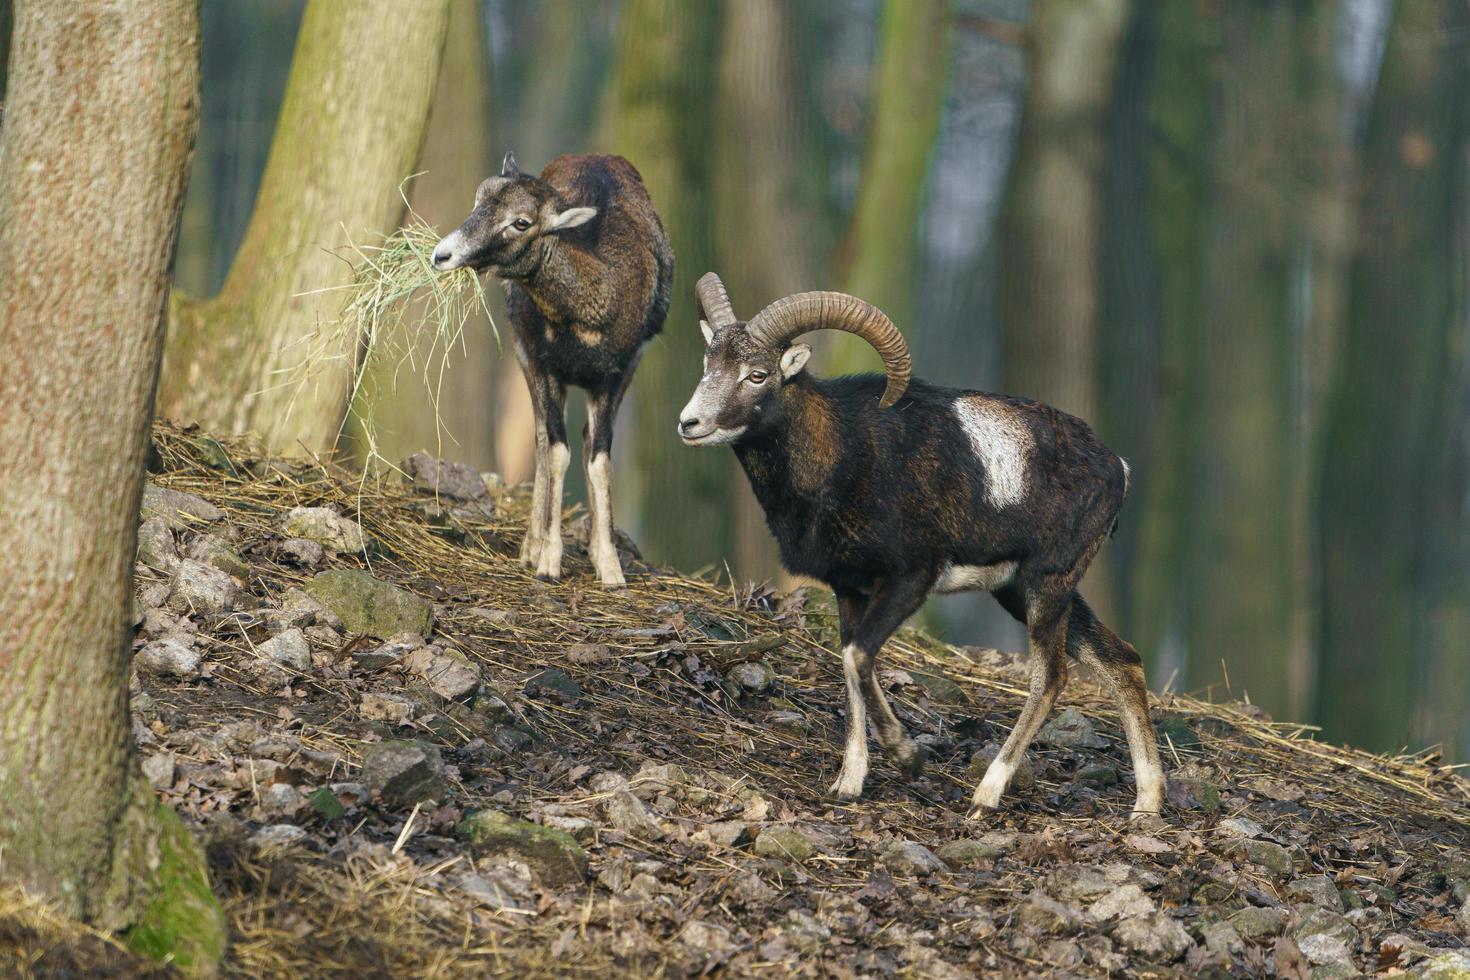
x: 588, y: 270
x: 888, y: 490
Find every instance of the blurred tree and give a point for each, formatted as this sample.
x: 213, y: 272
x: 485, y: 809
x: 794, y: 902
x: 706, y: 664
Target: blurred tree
x: 1049, y: 291
x: 1395, y: 595
x: 351, y: 126
x: 81, y: 329
x: 1160, y: 283
x: 766, y: 193
x: 455, y: 415
x: 658, y: 116
x: 879, y: 254
x: 5, y: 22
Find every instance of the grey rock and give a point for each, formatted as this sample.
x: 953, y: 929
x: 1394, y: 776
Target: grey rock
x: 783, y: 843
x: 370, y: 606
x: 553, y: 681
x: 803, y: 931
x: 156, y: 547
x: 449, y: 673
x: 170, y: 656
x: 1043, y: 914
x: 1098, y: 775
x: 217, y: 550
x: 302, y: 552
x: 1317, y: 921
x: 1255, y: 922
x: 404, y: 772
x: 324, y: 526
x: 153, y: 596
x: 277, y: 835
x: 444, y: 478
x: 940, y: 689
x: 751, y: 677
x: 1125, y: 903
x: 705, y: 937
x: 970, y: 851
x: 792, y: 722
x: 159, y: 769
x: 654, y: 779
x: 199, y: 588
x: 1220, y: 937
x: 579, y: 828
x: 729, y: 833
x: 395, y: 709
x: 1155, y: 936
x: 1071, y: 729
x: 1464, y: 917
x: 297, y: 602
x: 1445, y: 964
x: 1088, y: 882
x: 281, y: 799
x: 178, y: 510
x: 1321, y: 949
x: 1268, y: 854
x: 1315, y: 890
x: 391, y: 653
x: 289, y: 649
x: 626, y: 812
x: 1243, y: 827
x: 506, y: 885
x: 911, y: 858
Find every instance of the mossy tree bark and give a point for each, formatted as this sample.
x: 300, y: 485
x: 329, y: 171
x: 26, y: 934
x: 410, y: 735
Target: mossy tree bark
x: 102, y: 114
x: 1395, y: 558
x: 444, y: 404
x: 658, y: 117
x: 1050, y: 292
x: 351, y: 126
x: 879, y: 257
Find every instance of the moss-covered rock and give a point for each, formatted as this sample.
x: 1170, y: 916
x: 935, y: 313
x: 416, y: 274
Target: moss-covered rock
x: 553, y: 854
x: 778, y: 842
x: 371, y: 606
x: 941, y: 689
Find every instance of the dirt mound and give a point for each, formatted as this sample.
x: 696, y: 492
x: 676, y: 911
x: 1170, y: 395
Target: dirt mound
x: 413, y: 758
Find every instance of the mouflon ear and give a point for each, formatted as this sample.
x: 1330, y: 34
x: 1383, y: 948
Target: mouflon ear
x: 705, y: 329
x: 571, y: 218
x: 508, y: 166
x: 794, y: 359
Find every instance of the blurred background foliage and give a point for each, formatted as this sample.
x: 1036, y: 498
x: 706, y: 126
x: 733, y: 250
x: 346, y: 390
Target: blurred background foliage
x: 1232, y: 235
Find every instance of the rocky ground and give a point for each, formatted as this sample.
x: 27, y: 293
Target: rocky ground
x: 410, y: 758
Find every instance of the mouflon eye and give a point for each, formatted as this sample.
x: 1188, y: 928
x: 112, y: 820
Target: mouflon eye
x: 520, y: 224
x: 756, y: 377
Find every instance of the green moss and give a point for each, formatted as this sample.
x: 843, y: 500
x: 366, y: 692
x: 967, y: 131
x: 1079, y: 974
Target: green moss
x: 180, y: 920
x: 555, y: 856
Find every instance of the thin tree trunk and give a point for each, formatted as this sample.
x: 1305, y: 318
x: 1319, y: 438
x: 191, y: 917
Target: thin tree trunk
x: 351, y: 128
x: 761, y: 194
x: 1394, y: 573
x: 1049, y: 273
x: 1242, y: 551
x: 454, y: 415
x: 102, y: 113
x: 658, y: 117
x: 880, y: 253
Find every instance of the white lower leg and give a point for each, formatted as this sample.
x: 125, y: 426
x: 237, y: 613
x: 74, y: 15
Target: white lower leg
x: 849, y: 785
x: 536, y: 520
x: 1148, y: 774
x: 600, y: 547
x: 993, y: 785
x: 550, y: 564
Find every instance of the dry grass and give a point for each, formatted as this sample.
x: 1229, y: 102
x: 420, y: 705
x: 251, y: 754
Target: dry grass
x: 370, y: 911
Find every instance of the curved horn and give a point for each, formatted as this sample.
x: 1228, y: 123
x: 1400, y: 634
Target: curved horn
x: 788, y: 318
x: 714, y: 302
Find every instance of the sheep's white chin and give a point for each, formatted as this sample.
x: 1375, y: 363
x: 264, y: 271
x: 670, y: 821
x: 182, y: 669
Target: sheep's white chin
x: 719, y: 437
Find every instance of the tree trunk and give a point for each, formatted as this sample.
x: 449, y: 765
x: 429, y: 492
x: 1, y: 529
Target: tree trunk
x: 455, y: 415
x: 762, y: 194
x: 102, y: 113
x: 1049, y: 273
x: 1392, y: 508
x: 351, y: 126
x: 658, y: 117
x: 880, y: 254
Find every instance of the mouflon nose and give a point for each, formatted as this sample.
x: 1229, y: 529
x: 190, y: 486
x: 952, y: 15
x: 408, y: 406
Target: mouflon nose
x: 687, y: 426
x: 441, y: 256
